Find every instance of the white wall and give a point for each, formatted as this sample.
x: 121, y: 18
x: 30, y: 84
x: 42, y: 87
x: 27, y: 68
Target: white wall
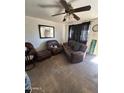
x: 93, y: 35
x: 65, y: 33
x: 32, y: 31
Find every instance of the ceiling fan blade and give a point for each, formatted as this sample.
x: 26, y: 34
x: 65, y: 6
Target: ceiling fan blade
x: 85, y: 8
x: 64, y: 4
x: 58, y: 14
x: 76, y: 17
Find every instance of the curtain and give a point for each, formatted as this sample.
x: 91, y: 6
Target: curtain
x: 79, y: 32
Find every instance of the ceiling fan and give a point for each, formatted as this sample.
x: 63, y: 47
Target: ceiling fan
x: 69, y: 10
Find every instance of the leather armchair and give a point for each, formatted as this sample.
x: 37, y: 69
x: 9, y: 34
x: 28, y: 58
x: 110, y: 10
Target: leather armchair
x: 75, y: 51
x: 54, y: 46
x: 30, y: 53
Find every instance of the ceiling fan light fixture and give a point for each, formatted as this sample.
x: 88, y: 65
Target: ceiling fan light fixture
x: 69, y: 10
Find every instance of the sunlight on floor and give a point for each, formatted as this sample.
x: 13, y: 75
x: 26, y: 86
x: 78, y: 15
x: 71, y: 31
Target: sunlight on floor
x: 95, y: 60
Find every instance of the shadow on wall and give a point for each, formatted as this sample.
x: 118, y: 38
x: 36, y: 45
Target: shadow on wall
x: 41, y: 46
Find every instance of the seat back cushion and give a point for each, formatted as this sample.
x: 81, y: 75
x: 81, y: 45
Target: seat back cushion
x: 76, y: 46
x: 52, y: 43
x: 72, y: 43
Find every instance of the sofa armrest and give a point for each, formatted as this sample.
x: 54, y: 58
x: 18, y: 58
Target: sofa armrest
x: 83, y: 48
x: 65, y: 43
x: 48, y: 47
x: 60, y: 45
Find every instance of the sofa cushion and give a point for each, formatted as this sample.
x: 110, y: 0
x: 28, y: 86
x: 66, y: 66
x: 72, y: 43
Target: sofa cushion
x: 76, y: 46
x: 55, y: 46
x: 52, y: 42
x: 73, y: 44
x: 70, y: 43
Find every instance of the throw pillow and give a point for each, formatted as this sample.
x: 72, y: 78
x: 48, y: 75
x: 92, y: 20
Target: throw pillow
x: 55, y: 46
x: 51, y: 46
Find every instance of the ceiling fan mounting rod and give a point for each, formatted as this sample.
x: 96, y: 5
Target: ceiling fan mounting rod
x: 69, y: 11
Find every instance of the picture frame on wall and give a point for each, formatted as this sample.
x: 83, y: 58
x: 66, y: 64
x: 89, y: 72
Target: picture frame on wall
x: 46, y: 31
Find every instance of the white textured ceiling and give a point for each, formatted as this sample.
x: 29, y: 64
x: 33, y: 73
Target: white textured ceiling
x: 34, y: 9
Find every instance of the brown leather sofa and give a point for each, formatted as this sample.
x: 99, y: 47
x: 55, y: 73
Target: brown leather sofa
x: 37, y: 55
x: 54, y: 46
x: 75, y: 51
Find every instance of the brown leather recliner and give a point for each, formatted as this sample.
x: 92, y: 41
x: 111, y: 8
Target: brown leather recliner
x: 75, y: 51
x: 54, y: 46
x: 37, y: 55
x: 30, y: 52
